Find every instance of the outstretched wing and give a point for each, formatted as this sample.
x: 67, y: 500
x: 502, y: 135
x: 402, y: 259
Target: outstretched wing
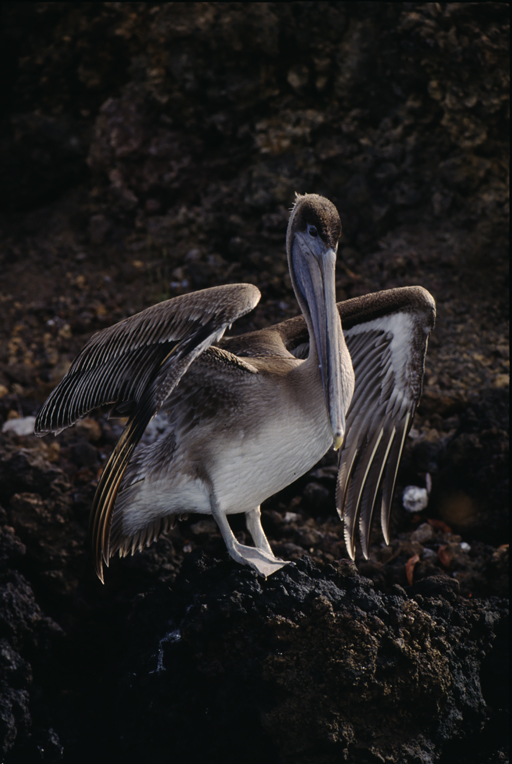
x: 386, y: 334
x: 119, y: 363
x: 387, y: 339
x: 139, y: 361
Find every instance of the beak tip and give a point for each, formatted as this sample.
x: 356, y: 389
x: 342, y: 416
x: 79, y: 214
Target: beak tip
x: 338, y: 442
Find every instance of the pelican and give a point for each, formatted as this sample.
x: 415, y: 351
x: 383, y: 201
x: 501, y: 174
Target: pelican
x: 246, y: 416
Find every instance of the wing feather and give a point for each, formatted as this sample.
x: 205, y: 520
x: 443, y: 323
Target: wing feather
x: 371, y: 488
x: 388, y: 352
x: 389, y: 478
x: 357, y: 484
x: 118, y: 363
x: 136, y: 543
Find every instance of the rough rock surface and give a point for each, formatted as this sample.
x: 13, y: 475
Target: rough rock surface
x: 148, y: 150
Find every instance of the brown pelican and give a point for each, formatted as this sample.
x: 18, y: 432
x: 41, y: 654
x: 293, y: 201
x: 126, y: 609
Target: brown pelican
x: 244, y: 417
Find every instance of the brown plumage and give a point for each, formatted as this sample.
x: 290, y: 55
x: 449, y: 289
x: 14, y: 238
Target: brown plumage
x: 241, y: 418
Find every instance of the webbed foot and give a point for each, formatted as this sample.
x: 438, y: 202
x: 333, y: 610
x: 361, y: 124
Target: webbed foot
x: 262, y: 562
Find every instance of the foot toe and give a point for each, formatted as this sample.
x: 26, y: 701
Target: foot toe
x: 262, y: 562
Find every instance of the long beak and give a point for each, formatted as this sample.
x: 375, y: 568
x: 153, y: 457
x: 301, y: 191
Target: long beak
x: 314, y: 273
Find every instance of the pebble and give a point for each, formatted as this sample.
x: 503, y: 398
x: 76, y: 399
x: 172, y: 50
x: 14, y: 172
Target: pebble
x: 291, y: 517
x: 414, y: 499
x: 423, y: 533
x: 90, y: 428
x: 21, y: 426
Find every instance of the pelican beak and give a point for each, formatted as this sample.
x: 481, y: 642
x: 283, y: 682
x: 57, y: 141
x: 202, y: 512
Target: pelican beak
x: 314, y: 268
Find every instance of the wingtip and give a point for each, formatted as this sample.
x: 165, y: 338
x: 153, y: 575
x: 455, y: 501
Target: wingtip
x: 39, y: 431
x: 350, y: 545
x: 101, y: 564
x: 365, y: 543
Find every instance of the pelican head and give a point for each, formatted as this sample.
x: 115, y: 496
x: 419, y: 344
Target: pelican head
x: 314, y: 231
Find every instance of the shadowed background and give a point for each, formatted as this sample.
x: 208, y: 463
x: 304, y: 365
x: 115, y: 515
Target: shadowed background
x: 149, y: 150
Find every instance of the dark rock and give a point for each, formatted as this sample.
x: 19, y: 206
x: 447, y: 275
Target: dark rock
x: 84, y: 454
x: 472, y: 485
x: 99, y: 226
x: 436, y: 584
x: 21, y: 618
x: 26, y: 470
x: 11, y: 548
x: 316, y: 496
x: 300, y: 665
x: 15, y: 720
x: 42, y: 156
x: 14, y: 669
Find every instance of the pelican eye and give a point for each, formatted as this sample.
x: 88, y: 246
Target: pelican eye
x: 312, y: 230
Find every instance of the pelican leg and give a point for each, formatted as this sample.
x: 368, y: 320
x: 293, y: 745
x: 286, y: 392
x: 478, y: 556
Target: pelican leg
x: 260, y: 560
x: 253, y: 522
